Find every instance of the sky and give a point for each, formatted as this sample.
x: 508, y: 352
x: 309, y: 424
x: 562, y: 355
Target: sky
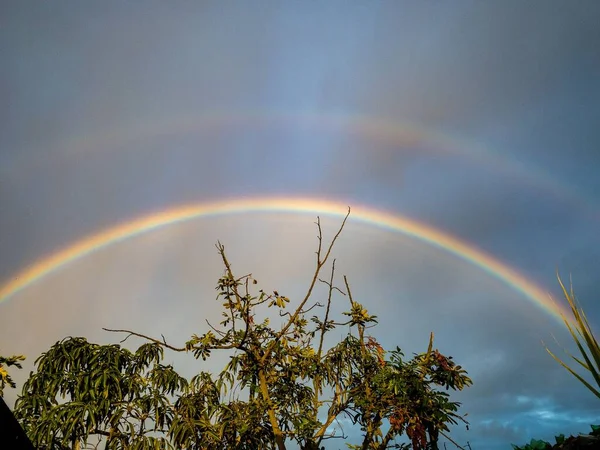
x: 477, y: 120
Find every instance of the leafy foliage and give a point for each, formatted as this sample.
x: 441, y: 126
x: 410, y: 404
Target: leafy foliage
x: 82, y: 389
x: 537, y: 444
x: 281, y: 384
x: 590, y: 362
x: 5, y: 378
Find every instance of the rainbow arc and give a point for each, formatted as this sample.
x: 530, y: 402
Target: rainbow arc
x: 385, y: 220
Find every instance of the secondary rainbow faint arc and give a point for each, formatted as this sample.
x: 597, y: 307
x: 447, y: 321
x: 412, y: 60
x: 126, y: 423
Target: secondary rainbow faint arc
x: 367, y: 215
x: 376, y: 128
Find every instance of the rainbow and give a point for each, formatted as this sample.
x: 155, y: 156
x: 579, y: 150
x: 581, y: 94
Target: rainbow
x: 377, y: 129
x: 384, y: 220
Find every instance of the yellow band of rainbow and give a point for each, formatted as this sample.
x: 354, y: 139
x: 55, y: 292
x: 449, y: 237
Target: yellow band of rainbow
x: 385, y: 220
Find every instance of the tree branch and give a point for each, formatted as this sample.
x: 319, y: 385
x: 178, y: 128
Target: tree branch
x: 320, y: 264
x: 133, y: 333
x: 219, y: 332
x: 330, y: 293
x: 448, y: 437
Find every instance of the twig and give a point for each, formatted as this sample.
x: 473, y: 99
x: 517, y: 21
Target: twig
x: 219, y: 332
x: 133, y: 333
x: 349, y: 291
x: 450, y: 439
x: 320, y: 264
x: 324, y: 325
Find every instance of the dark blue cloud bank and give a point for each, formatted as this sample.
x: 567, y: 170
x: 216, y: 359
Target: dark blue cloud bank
x: 477, y: 118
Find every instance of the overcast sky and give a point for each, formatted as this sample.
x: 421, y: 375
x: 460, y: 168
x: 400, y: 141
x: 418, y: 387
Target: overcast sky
x: 477, y: 118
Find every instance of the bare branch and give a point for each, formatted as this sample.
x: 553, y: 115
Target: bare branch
x: 245, y: 277
x: 320, y: 239
x: 342, y: 324
x: 324, y: 325
x: 316, y: 305
x: 448, y: 437
x: 289, y: 314
x: 320, y: 263
x: 219, y: 332
x: 348, y: 290
x: 143, y: 336
x: 333, y: 241
x: 331, y: 286
x: 221, y: 249
x: 317, y: 378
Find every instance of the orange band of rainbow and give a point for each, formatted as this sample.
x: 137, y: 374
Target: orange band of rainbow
x: 362, y: 214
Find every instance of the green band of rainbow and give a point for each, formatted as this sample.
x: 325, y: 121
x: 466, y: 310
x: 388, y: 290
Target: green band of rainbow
x: 362, y: 214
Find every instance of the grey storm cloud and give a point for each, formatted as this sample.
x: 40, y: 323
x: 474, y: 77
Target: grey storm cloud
x: 476, y: 118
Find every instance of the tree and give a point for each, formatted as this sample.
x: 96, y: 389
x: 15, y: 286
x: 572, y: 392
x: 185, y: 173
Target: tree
x: 5, y: 378
x: 11, y: 433
x: 83, y: 390
x: 282, y: 383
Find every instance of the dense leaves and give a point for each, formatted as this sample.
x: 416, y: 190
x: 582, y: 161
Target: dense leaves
x: 82, y: 390
x: 5, y: 378
x: 282, y: 383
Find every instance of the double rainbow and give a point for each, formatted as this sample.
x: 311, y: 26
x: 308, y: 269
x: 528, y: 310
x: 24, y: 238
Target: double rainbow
x: 384, y: 220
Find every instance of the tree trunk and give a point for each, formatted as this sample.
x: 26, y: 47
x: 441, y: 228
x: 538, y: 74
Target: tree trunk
x: 433, y: 438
